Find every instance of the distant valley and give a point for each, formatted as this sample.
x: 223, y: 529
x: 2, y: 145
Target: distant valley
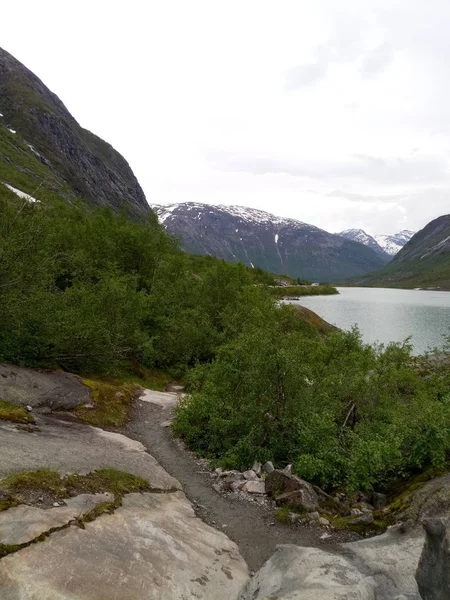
x: 423, y: 262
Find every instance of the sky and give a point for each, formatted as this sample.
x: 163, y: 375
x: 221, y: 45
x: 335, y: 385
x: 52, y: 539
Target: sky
x: 336, y: 113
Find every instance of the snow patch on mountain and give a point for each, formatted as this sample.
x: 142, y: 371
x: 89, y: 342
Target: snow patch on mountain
x: 395, y: 242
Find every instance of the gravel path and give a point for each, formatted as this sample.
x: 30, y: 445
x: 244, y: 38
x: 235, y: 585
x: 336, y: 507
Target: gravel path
x: 251, y: 526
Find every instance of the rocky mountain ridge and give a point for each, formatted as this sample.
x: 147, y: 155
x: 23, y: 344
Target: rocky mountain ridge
x: 51, y: 150
x: 260, y: 239
x: 386, y: 245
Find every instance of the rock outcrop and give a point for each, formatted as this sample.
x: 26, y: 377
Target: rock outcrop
x: 433, y: 572
x: 51, y: 389
x: 379, y: 568
x: 153, y: 547
x: 87, y: 165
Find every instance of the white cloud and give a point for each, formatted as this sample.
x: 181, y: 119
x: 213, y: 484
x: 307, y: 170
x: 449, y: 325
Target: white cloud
x: 336, y: 113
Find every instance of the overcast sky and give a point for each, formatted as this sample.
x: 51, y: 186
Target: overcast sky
x: 333, y: 112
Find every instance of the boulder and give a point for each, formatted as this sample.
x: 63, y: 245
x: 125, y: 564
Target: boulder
x: 433, y: 572
x: 268, y: 467
x: 380, y: 567
x: 289, y: 489
x: 365, y: 518
x: 237, y: 485
x: 254, y: 487
x: 313, y: 516
x: 299, y: 498
x: 250, y: 475
x: 257, y: 467
x: 379, y: 501
x: 230, y: 478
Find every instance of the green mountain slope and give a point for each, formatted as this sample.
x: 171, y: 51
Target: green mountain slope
x: 51, y: 150
x: 423, y: 262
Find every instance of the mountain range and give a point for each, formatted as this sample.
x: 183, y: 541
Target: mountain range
x: 44, y: 152
x: 382, y: 244
x: 276, y: 244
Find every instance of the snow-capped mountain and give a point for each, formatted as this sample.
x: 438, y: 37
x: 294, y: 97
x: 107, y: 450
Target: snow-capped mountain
x: 359, y: 235
x: 394, y: 243
x: 257, y: 238
x: 386, y: 245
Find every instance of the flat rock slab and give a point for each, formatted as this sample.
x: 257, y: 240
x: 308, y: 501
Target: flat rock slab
x: 381, y: 568
x: 23, y: 523
x: 163, y: 399
x: 152, y: 548
x: 38, y: 388
x: 69, y: 447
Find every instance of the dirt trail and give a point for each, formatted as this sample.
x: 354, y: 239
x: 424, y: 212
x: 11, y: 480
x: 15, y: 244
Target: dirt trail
x: 251, y: 526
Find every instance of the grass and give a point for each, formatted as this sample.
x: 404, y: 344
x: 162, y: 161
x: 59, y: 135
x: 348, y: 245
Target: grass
x: 111, y: 404
x: 12, y: 412
x: 152, y: 379
x: 49, y: 482
x: 22, y: 169
x: 112, y: 397
x: 282, y: 514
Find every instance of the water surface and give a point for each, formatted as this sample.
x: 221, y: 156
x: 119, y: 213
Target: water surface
x: 388, y: 315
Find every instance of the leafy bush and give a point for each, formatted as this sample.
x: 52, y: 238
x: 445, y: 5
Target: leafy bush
x: 344, y: 413
x: 90, y: 291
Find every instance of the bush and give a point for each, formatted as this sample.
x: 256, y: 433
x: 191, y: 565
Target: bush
x: 344, y: 413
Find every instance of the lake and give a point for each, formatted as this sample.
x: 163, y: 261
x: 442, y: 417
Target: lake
x: 388, y: 315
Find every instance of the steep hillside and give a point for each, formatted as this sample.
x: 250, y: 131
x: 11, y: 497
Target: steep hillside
x: 49, y: 149
x: 275, y: 244
x: 423, y: 262
x: 359, y: 235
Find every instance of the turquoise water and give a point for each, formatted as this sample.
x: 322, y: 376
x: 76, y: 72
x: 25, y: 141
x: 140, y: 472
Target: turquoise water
x: 388, y: 315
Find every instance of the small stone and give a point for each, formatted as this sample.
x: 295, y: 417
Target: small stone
x: 313, y: 516
x: 294, y: 517
x: 323, y: 521
x: 325, y: 535
x: 405, y: 526
x: 268, y: 467
x: 167, y: 423
x: 250, y: 475
x: 29, y: 408
x: 55, y: 503
x: 287, y: 470
x: 355, y: 512
x: 217, y: 488
x: 4, y: 495
x: 118, y: 395
x: 89, y: 406
x: 40, y: 499
x: 218, y: 471
x: 256, y: 467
